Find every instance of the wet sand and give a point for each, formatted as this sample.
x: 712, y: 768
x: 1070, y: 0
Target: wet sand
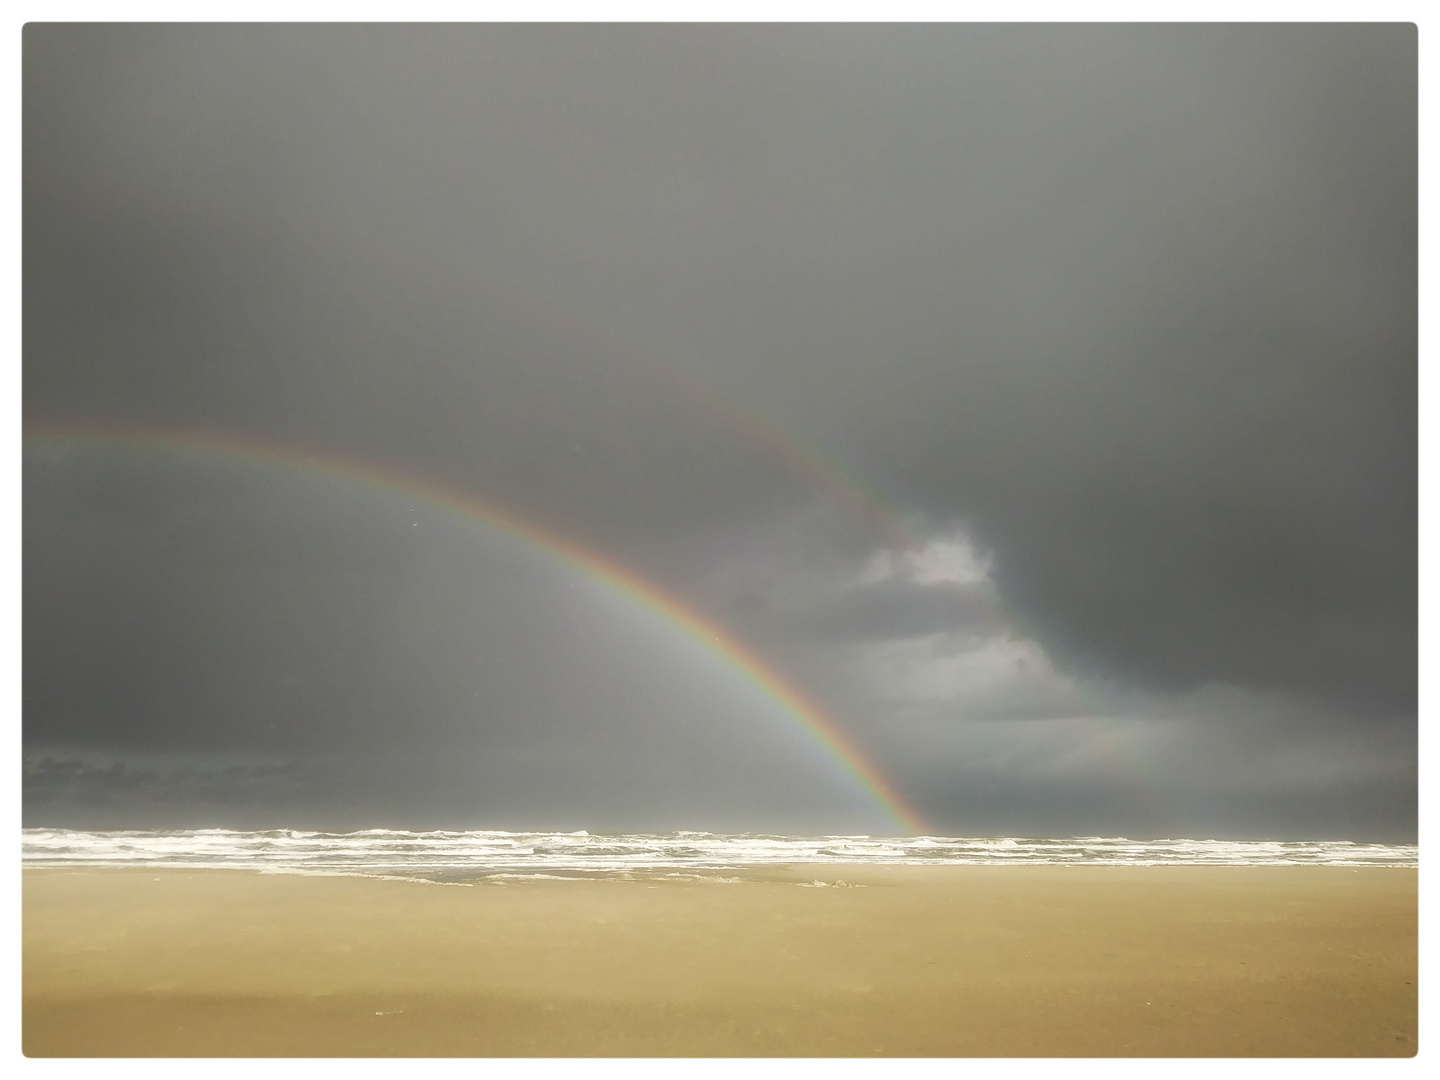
x: 932, y: 961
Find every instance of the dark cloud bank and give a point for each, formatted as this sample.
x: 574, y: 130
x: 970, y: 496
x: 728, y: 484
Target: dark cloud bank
x: 1126, y: 314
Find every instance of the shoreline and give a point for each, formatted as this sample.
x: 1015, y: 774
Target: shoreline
x: 949, y: 961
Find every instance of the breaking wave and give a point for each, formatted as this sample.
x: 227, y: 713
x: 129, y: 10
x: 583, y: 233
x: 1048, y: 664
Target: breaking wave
x: 391, y: 852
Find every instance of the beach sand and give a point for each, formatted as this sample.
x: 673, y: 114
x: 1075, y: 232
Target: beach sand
x: 930, y: 961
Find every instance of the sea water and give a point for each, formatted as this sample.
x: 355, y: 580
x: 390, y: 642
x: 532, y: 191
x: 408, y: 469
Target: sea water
x: 474, y: 854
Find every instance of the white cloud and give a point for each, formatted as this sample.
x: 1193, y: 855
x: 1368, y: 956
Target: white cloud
x: 946, y: 560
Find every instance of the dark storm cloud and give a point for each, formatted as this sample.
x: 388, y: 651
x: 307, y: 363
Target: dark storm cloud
x: 71, y: 792
x: 1133, y: 306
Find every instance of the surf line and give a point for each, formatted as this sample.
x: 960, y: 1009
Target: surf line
x: 616, y: 576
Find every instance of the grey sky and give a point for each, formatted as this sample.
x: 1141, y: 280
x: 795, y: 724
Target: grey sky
x: 1119, y: 323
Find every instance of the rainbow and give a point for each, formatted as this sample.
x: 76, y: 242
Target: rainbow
x: 609, y: 572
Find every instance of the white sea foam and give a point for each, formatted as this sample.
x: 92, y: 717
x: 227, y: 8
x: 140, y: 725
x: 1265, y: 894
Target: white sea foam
x: 461, y: 855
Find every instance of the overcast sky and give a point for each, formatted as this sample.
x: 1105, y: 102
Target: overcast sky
x: 1039, y: 401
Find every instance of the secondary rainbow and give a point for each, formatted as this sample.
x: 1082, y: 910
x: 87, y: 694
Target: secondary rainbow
x: 456, y: 500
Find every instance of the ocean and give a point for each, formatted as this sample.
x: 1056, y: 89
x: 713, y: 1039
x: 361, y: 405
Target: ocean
x: 453, y: 856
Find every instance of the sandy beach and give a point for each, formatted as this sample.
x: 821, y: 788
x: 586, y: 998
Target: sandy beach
x: 896, y: 961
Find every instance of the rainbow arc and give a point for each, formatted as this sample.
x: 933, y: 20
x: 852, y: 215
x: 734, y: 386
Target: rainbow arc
x: 823, y: 729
